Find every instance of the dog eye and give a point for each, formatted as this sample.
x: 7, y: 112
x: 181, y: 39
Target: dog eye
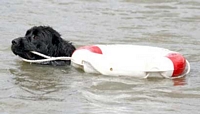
x: 34, y: 37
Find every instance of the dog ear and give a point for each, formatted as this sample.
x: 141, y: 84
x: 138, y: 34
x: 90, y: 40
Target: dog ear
x: 56, y: 39
x: 55, y: 35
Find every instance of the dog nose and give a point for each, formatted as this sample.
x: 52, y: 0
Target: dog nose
x: 16, y: 41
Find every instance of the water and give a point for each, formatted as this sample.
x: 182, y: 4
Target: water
x: 38, y: 89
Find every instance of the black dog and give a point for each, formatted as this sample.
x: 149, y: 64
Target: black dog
x: 45, y: 40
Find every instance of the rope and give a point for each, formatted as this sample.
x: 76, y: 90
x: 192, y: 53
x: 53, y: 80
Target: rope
x: 48, y: 58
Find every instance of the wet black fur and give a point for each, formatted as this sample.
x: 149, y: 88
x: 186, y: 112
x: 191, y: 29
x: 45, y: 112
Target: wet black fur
x: 43, y: 39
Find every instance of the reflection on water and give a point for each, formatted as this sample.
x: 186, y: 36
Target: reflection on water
x: 180, y: 82
x: 40, y: 89
x: 30, y: 79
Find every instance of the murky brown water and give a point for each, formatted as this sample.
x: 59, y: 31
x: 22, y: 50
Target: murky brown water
x: 37, y: 89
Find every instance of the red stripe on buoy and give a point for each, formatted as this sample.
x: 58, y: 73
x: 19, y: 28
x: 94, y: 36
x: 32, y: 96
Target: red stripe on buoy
x: 94, y: 49
x: 179, y: 63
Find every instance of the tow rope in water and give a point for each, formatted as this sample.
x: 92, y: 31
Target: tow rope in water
x: 47, y: 58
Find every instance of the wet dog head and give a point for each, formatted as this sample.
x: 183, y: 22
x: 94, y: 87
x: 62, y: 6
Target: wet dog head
x: 42, y: 39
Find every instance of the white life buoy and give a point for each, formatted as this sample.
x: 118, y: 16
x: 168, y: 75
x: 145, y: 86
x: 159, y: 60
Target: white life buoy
x: 130, y: 60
